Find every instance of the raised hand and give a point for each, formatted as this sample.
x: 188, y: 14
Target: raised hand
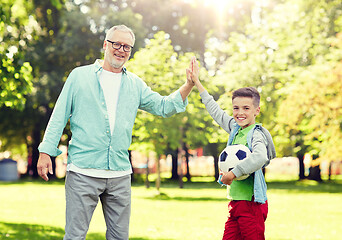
x: 194, y: 69
x: 193, y: 74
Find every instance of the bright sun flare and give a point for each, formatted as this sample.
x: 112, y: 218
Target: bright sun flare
x: 218, y: 5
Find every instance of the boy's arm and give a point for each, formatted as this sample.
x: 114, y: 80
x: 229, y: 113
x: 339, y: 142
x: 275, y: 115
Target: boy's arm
x: 220, y: 116
x: 256, y: 160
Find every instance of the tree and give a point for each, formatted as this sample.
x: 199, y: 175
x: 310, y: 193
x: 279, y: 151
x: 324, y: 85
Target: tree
x: 271, y: 54
x: 316, y: 114
x: 162, y: 133
x: 166, y: 134
x: 65, y: 41
x: 15, y: 72
x: 323, y: 57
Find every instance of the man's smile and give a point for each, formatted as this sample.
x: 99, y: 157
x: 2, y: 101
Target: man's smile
x: 119, y: 56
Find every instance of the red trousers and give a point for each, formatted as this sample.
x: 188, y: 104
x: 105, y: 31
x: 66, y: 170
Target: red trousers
x: 246, y: 221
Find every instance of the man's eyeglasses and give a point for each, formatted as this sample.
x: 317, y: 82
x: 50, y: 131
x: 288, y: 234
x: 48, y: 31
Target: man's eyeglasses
x: 117, y: 46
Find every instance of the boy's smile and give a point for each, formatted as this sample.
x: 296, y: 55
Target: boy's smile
x: 244, y: 111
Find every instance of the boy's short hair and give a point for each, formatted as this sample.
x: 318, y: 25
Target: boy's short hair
x: 250, y: 92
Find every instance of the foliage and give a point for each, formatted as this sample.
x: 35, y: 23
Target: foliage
x: 15, y: 72
x: 308, y: 120
x: 102, y: 15
x: 273, y: 54
x: 288, y: 49
x: 163, y: 133
x: 317, y: 113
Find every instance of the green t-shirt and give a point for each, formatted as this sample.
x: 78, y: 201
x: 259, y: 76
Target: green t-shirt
x: 242, y: 189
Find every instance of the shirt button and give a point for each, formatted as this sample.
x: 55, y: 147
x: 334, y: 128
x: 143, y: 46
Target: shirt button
x: 107, y: 132
x: 102, y: 103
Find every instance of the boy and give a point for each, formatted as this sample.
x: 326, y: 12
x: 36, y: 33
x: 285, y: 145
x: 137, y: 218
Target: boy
x: 248, y: 207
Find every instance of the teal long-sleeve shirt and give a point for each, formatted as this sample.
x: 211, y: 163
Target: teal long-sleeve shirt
x: 82, y: 101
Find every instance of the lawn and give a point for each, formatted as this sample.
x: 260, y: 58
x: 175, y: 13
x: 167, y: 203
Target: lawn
x: 297, y: 210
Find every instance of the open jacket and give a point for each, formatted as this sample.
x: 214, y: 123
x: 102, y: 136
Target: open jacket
x: 259, y: 142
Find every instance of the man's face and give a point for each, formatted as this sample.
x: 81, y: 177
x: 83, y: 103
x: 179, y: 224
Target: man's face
x: 114, y: 59
x: 244, y: 111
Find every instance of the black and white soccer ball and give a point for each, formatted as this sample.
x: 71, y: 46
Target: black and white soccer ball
x: 233, y: 155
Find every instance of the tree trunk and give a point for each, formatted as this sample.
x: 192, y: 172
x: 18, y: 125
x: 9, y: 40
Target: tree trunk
x: 35, y: 152
x: 315, y: 170
x: 32, y: 168
x: 188, y: 176
x: 174, y: 169
x: 315, y: 173
x: 147, y: 182
x: 217, y: 173
x: 130, y: 160
x: 180, y: 168
x: 213, y: 150
x: 158, y: 175
x: 330, y: 167
x: 301, y: 166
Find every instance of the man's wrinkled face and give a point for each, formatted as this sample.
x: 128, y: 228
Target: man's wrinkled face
x: 116, y: 58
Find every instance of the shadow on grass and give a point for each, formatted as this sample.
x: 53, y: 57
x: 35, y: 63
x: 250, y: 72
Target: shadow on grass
x: 23, y: 231
x: 29, y: 231
x: 306, y: 186
x: 36, y: 181
x: 164, y: 196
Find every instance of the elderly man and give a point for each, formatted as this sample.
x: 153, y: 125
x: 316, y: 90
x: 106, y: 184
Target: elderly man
x: 101, y: 101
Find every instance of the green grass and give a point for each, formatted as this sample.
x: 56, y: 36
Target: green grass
x: 297, y: 210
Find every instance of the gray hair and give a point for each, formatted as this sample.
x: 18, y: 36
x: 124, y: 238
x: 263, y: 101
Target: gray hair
x: 121, y: 28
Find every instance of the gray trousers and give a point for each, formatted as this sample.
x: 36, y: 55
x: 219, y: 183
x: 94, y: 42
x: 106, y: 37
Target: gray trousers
x: 82, y: 194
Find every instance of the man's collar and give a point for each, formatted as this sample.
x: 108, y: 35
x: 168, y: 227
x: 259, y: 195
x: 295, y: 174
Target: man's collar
x: 98, y: 66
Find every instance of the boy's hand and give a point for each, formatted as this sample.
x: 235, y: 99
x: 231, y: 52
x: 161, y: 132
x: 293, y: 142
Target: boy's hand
x: 227, y: 177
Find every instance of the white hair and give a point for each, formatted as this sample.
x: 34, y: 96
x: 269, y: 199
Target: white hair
x: 121, y: 28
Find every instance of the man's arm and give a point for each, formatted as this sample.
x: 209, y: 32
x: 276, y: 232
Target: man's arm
x: 59, y: 117
x: 185, y: 90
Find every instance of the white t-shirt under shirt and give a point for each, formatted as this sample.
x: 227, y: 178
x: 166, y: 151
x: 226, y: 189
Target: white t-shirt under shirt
x: 110, y: 83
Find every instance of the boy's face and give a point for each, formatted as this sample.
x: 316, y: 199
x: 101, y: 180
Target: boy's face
x: 244, y: 111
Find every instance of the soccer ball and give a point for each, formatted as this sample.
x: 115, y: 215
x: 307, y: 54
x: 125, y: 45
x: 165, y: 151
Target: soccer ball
x: 233, y: 155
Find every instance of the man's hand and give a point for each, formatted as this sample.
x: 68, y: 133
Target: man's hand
x: 193, y: 72
x: 190, y: 71
x: 227, y: 177
x: 44, y: 166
